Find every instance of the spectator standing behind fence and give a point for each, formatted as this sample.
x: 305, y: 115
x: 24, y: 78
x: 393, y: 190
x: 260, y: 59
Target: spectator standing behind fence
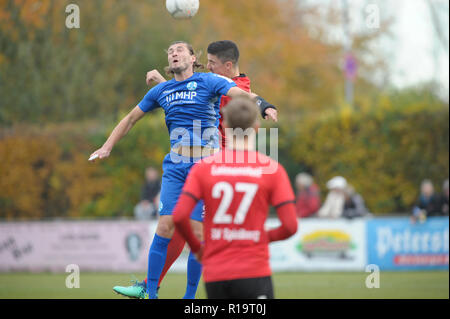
x: 334, y: 203
x: 354, y: 204
x: 308, y: 195
x: 147, y: 208
x: 427, y: 204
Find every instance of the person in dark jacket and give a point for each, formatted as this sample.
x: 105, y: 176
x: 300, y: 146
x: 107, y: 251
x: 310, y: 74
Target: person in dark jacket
x: 427, y: 204
x: 354, y: 205
x: 443, y: 204
x: 147, y: 207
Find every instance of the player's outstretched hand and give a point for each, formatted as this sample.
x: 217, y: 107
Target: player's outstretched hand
x: 99, y: 154
x: 154, y: 76
x: 271, y: 114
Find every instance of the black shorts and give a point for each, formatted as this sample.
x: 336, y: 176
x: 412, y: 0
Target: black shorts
x: 249, y: 288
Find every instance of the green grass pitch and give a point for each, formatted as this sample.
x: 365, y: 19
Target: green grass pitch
x: 291, y: 285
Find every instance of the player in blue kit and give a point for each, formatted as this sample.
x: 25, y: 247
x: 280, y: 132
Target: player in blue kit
x: 190, y: 117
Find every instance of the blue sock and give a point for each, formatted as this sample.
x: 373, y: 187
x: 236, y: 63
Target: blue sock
x: 156, y: 260
x: 194, y: 272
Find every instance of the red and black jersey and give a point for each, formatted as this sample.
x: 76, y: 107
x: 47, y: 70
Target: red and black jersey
x: 237, y: 194
x: 242, y: 82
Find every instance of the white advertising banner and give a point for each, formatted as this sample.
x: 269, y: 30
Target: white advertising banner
x: 123, y: 246
x: 321, y: 245
x: 92, y: 246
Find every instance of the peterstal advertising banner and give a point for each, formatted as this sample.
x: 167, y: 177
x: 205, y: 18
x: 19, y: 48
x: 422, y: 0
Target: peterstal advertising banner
x: 323, y: 245
x: 397, y: 244
x: 93, y: 246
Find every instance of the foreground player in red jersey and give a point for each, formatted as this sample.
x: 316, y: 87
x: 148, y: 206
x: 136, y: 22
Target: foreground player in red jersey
x: 237, y: 189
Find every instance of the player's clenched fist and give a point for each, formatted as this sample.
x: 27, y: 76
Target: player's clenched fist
x: 154, y: 76
x: 271, y: 114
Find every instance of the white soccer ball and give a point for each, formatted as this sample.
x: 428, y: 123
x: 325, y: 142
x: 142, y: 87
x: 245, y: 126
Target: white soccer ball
x: 182, y: 9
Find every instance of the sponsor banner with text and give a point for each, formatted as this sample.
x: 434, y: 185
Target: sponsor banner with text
x: 397, y: 244
x: 318, y: 245
x: 93, y: 246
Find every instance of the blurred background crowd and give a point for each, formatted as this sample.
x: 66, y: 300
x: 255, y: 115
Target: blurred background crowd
x: 343, y: 201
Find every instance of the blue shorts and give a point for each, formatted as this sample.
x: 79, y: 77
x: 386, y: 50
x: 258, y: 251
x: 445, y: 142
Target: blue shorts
x: 173, y: 179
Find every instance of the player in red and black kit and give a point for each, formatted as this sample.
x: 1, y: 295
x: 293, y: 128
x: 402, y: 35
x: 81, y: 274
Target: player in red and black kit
x: 223, y: 57
x: 237, y: 185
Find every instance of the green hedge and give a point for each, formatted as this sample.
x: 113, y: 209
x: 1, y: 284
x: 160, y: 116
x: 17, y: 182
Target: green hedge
x: 384, y: 148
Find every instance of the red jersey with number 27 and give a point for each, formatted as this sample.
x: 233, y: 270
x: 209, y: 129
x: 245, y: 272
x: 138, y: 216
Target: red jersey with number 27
x: 237, y: 197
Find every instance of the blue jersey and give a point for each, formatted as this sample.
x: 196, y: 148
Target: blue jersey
x: 189, y: 106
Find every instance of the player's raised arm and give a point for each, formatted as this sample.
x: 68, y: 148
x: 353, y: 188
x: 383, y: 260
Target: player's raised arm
x: 267, y: 110
x: 119, y: 132
x: 154, y: 76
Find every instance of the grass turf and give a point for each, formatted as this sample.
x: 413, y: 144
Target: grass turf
x: 298, y: 285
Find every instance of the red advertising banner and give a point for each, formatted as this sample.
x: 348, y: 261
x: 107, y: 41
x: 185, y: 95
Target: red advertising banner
x: 93, y: 246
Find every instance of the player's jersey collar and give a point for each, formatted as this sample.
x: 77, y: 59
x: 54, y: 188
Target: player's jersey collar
x: 241, y: 75
x: 188, y: 79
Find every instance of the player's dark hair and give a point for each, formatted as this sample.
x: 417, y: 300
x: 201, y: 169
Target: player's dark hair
x: 224, y: 50
x: 240, y: 112
x: 197, y: 65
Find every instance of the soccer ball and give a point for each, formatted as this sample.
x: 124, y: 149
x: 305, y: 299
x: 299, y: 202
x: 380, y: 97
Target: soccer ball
x: 182, y: 9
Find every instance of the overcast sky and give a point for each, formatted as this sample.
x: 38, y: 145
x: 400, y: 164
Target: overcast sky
x: 419, y: 55
x: 414, y: 52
